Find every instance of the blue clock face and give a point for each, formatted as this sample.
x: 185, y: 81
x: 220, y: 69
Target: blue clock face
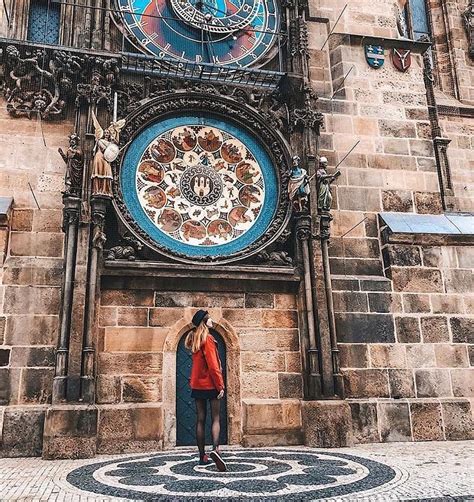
x: 199, y: 186
x: 227, y: 32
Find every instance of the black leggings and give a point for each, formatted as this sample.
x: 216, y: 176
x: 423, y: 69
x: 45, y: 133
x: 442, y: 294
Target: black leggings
x: 201, y: 412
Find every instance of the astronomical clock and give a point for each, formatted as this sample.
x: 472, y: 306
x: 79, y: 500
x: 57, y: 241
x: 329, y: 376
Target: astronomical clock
x: 199, y: 178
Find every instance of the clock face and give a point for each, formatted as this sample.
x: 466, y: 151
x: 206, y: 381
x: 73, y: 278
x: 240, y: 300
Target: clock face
x: 199, y: 186
x: 231, y: 32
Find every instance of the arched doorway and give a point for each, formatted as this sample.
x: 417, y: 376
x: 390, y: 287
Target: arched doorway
x: 185, y: 408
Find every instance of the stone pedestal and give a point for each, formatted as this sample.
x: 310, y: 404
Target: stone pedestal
x: 327, y: 424
x: 70, y: 431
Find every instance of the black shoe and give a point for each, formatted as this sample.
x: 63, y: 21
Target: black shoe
x: 220, y: 464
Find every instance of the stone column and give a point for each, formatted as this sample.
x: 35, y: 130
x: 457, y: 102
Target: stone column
x: 72, y: 207
x: 98, y: 211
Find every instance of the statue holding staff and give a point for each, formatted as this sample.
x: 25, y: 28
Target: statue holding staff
x: 324, y: 185
x: 73, y: 158
x: 298, y: 186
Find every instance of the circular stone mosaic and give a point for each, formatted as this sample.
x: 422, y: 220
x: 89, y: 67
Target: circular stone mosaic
x: 199, y: 186
x: 270, y: 474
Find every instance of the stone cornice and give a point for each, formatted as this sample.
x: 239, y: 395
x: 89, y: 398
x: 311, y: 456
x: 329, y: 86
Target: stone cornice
x: 388, y: 43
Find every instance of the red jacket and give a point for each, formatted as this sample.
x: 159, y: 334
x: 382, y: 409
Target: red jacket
x: 206, y: 371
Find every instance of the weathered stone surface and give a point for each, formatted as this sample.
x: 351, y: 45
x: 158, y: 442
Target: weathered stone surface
x: 387, y: 356
x: 130, y: 363
x: 134, y: 339
x: 31, y: 330
x: 434, y: 329
x: 285, y: 301
x: 462, y: 381
x: 375, y: 284
x: 135, y: 297
x: 353, y: 355
x: 365, y: 328
x: 32, y: 356
x: 5, y: 386
x: 259, y: 300
x: 451, y: 356
x: 327, y: 424
x: 459, y: 281
x: 427, y: 422
x: 416, y: 303
x: 293, y: 362
x: 356, y: 266
x: 189, y: 299
x: 108, y: 316
x: 22, y: 432
x: 428, y: 203
x: 36, y: 385
x: 31, y: 300
x: 408, y: 329
x: 291, y: 385
x: 132, y: 316
x: 349, y: 301
x: 263, y: 361
x: 141, y: 389
x: 462, y: 329
x: 33, y: 271
x: 383, y: 303
x: 394, y: 421
x: 397, y: 128
x: 124, y: 429
x: 268, y: 416
x: 446, y: 304
x: 400, y: 255
x: 420, y: 356
x: 401, y: 383
x: 108, y: 389
x: 364, y: 422
x: 4, y: 357
x: 417, y: 280
x: 36, y: 244
x: 397, y: 200
x: 458, y: 420
x: 439, y: 257
x: 366, y: 383
x: 260, y: 385
x: 432, y: 383
x: 279, y: 319
x: 359, y: 199
x: 270, y: 339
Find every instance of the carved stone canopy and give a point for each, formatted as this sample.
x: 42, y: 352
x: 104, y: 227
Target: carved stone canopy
x: 469, y: 26
x: 218, y: 109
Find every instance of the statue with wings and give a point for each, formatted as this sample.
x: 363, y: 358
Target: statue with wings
x: 106, y: 150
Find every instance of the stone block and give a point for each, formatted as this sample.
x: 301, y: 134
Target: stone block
x: 421, y: 148
x: 384, y: 303
x: 358, y: 198
x: 387, y: 356
x: 127, y: 298
x: 417, y: 280
x: 36, y: 385
x: 285, y: 301
x: 268, y: 416
x: 459, y: 281
x: 260, y: 385
x: 32, y: 356
x: 397, y: 128
x: 124, y: 429
x: 327, y: 424
x: 432, y: 383
x: 451, y: 356
x: 4, y: 357
x: 22, y: 434
x: 290, y: 385
x: 3, y: 323
x: 394, y: 421
x: 130, y: 363
x: 375, y: 284
x: 288, y: 438
x: 263, y: 361
x: 426, y: 164
x: 259, y: 301
x: 392, y: 162
x: 447, y: 304
x: 343, y: 284
x: 293, y: 362
x: 408, y: 329
x: 439, y: 257
x: 420, y: 356
x: 401, y: 383
x: 353, y: 355
x: 365, y: 328
x: 134, y: 339
x: 31, y: 300
x: 188, y: 299
x: 5, y: 386
x: 396, y: 146
x: 462, y: 329
x: 132, y: 316
x: 22, y: 219
x: 31, y: 330
x: 434, y: 329
x: 355, y: 247
x: 271, y: 339
x: 462, y: 381
x: 348, y: 301
x: 356, y: 266
x: 108, y: 316
x: 165, y: 316
x: 365, y: 383
x: 416, y: 303
x: 141, y: 389
x: 465, y: 256
x: 428, y: 203
x: 397, y: 200
x: 401, y: 255
x: 427, y: 421
x: 279, y: 319
x: 47, y: 220
x: 33, y: 271
x: 245, y: 318
x: 458, y: 420
x: 364, y: 422
x: 36, y: 244
x: 108, y: 389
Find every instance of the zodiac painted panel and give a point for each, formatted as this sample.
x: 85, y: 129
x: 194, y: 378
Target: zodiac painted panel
x: 229, y: 32
x: 199, y: 186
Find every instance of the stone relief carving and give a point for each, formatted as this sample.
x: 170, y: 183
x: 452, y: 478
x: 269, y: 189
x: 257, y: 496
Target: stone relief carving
x: 468, y: 17
x: 324, y: 185
x: 73, y: 157
x: 129, y: 250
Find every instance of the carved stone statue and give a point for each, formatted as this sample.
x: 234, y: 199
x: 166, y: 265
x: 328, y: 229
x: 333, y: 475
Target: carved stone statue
x: 324, y: 185
x: 298, y: 186
x: 468, y: 16
x: 73, y: 158
x: 401, y: 19
x: 106, y: 150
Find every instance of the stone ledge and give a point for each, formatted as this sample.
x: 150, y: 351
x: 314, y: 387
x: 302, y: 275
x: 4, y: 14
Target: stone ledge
x: 388, y: 43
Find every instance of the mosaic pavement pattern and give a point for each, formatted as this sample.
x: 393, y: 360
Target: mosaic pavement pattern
x: 385, y: 472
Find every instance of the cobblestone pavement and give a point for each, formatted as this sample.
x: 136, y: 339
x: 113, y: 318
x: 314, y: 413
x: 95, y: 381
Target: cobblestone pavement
x: 379, y: 472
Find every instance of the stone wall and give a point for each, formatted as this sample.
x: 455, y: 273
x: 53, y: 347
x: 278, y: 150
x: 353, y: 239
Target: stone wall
x: 139, y: 334
x: 30, y: 277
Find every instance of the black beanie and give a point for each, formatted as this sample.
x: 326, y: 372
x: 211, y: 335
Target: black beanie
x: 198, y: 317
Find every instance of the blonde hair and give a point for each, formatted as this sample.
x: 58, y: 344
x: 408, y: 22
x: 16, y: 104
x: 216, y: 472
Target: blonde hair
x: 196, y: 338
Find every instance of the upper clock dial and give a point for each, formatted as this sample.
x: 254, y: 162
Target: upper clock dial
x: 231, y: 32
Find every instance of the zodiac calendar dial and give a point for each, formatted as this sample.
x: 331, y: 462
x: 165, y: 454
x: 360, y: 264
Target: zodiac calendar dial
x: 199, y: 186
x: 230, y: 32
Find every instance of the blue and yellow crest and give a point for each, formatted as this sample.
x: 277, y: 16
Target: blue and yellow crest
x: 375, y: 55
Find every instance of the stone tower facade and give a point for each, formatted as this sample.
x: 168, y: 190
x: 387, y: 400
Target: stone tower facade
x: 345, y: 305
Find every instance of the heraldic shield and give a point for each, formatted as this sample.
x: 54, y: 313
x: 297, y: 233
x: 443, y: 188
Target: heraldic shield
x: 401, y: 59
x: 375, y: 55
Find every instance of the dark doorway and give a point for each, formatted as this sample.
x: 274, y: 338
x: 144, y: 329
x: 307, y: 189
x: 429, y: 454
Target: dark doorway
x: 185, y: 407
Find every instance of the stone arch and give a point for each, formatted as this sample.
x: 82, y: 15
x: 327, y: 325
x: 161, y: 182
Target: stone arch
x: 234, y: 404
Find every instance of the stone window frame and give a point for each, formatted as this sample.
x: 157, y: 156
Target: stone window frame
x: 409, y: 18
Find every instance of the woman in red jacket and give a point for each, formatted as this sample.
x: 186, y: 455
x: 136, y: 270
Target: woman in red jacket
x: 207, y: 383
